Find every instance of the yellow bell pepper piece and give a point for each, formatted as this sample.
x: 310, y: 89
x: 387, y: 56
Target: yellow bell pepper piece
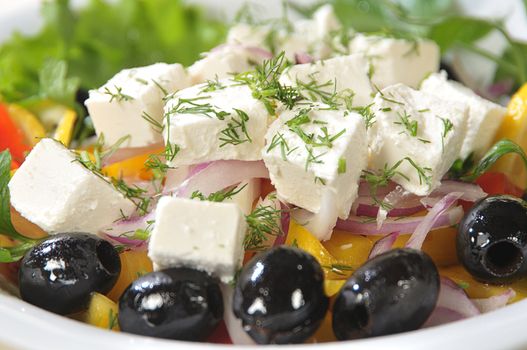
x: 514, y: 128
x: 102, y: 312
x: 27, y: 122
x: 476, y: 289
x: 130, y: 168
x: 134, y: 264
x: 64, y: 131
x: 332, y: 287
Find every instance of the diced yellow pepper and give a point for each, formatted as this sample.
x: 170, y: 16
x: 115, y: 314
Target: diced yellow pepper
x: 102, y: 312
x: 476, y: 289
x: 64, y: 131
x: 350, y: 249
x: 134, y: 264
x: 514, y: 128
x: 27, y: 122
x: 130, y: 168
x: 332, y: 287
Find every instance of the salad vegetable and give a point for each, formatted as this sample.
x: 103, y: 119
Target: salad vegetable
x: 305, y: 180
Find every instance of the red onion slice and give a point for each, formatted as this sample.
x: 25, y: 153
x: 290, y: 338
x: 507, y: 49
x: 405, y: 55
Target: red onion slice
x: 494, y: 302
x: 421, y: 231
x: 128, y: 226
x: 367, y: 226
x: 453, y: 304
x: 384, y: 244
x: 234, y: 325
x: 365, y: 190
x: 322, y: 223
x: 131, y: 243
x: 285, y: 220
x: 471, y: 192
x: 303, y: 57
x: 391, y: 200
x: 219, y: 175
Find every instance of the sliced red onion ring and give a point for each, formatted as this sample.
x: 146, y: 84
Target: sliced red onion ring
x: 129, y: 152
x: 367, y: 226
x: 219, y: 175
x: 303, y: 57
x: 471, y: 192
x: 365, y: 190
x: 391, y: 200
x: 131, y: 243
x: 494, y: 302
x: 285, y: 220
x: 453, y: 304
x: 234, y: 325
x: 384, y: 244
x: 421, y: 231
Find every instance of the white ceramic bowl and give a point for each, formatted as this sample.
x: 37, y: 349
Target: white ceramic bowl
x: 23, y: 326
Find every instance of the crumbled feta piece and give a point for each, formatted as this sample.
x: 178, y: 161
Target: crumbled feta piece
x: 118, y: 108
x: 419, y: 137
x: 484, y: 117
x: 306, y: 36
x: 57, y: 193
x: 345, y: 75
x: 223, y: 62
x: 397, y: 60
x: 204, y: 235
x: 246, y: 194
x: 312, y: 149
x: 226, y: 122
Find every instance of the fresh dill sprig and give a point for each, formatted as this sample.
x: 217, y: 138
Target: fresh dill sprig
x: 311, y: 158
x: 236, y: 131
x: 263, y: 222
x: 342, y: 166
x: 117, y: 95
x: 367, y: 114
x: 382, y: 177
x: 155, y: 124
x: 326, y: 139
x: 448, y: 126
x: 409, y: 124
x: 192, y: 106
x: 160, y: 87
x: 218, y: 196
x: 213, y: 85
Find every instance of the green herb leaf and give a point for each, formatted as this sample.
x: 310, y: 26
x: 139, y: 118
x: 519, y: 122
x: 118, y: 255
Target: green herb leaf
x: 497, y: 151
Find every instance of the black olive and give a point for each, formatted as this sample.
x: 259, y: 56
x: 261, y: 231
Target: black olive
x: 177, y: 303
x: 59, y: 273
x: 391, y: 293
x: 492, y: 239
x: 451, y: 74
x: 279, y: 296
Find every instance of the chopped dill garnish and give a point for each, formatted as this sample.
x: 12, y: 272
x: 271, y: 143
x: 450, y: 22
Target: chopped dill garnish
x: 218, y: 196
x: 263, y: 222
x: 117, y: 95
x: 236, y: 131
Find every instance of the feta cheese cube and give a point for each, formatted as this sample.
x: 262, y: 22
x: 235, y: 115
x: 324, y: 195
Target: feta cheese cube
x: 343, y: 75
x: 227, y: 123
x: 57, y: 193
x: 419, y: 136
x: 223, y: 62
x: 118, y: 107
x: 204, y: 235
x: 484, y: 117
x: 311, y: 150
x: 397, y: 60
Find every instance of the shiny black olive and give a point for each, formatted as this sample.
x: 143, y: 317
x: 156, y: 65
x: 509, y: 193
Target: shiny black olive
x: 59, y: 273
x: 492, y: 239
x: 391, y: 293
x: 452, y: 75
x: 177, y: 303
x: 279, y: 296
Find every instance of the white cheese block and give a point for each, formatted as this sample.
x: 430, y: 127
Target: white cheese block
x: 484, y: 117
x: 58, y: 194
x: 204, y: 235
x: 223, y: 62
x: 302, y: 170
x: 118, y: 107
x: 202, y: 124
x: 420, y: 132
x: 347, y: 75
x: 397, y: 60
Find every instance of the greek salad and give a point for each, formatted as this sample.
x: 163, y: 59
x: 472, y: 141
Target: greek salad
x: 300, y: 182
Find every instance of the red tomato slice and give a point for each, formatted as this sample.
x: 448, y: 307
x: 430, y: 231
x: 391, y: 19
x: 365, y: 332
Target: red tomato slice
x: 12, y: 137
x: 220, y: 335
x: 498, y: 183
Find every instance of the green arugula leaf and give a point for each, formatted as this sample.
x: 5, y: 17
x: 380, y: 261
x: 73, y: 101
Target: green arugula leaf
x: 459, y: 30
x: 55, y: 85
x: 497, y: 151
x: 6, y: 227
